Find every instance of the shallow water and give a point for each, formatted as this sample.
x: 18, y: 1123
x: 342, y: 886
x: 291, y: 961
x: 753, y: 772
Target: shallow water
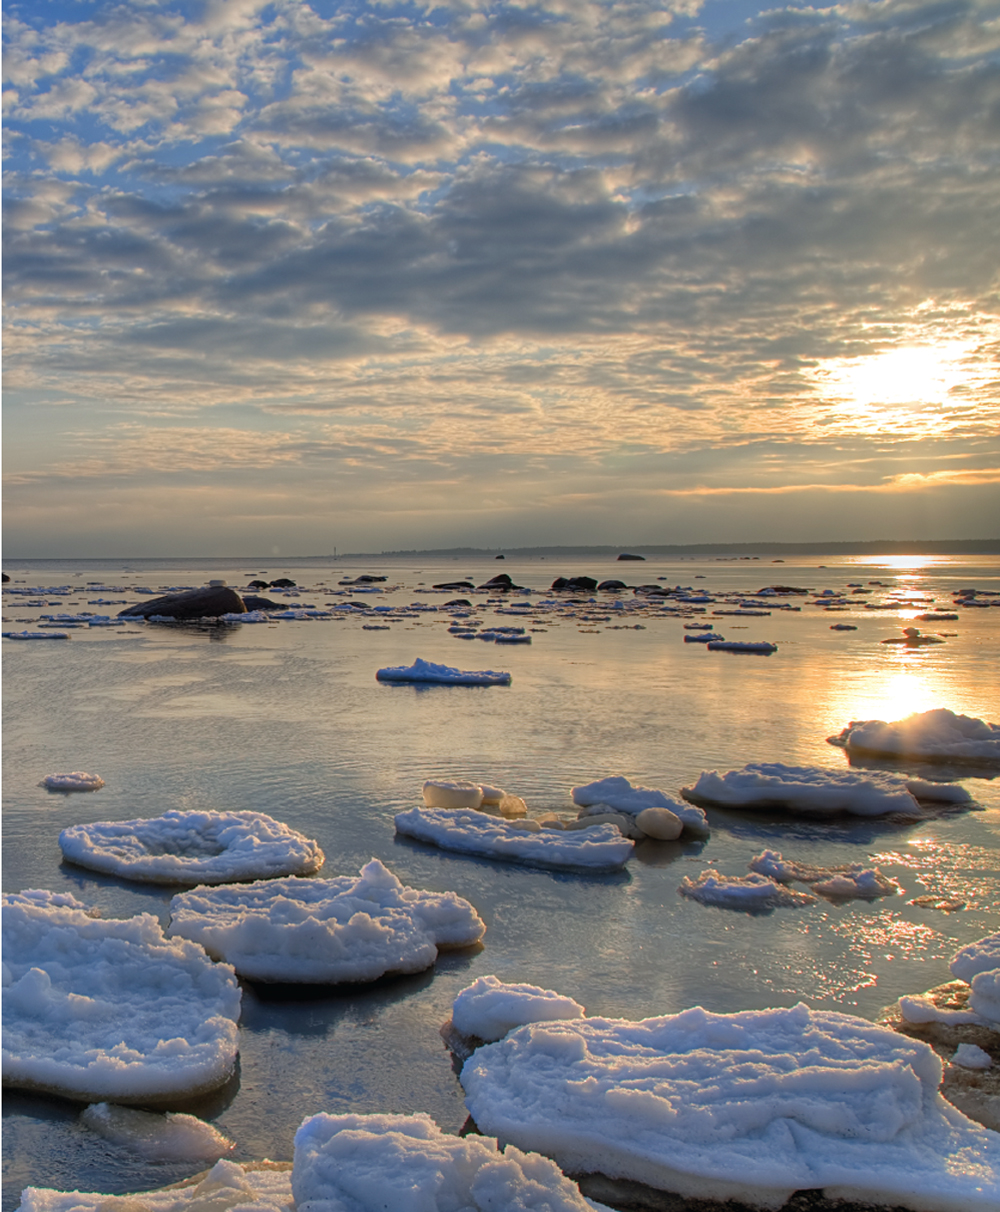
x: 287, y: 718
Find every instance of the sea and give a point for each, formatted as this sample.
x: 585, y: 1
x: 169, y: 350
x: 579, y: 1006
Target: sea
x: 287, y: 717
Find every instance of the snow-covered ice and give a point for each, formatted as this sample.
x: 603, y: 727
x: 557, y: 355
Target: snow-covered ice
x: 169, y: 1137
x: 405, y: 1163
x: 427, y: 671
x: 618, y: 794
x: 76, y: 780
x: 601, y: 848
x: 753, y: 1106
x: 814, y: 791
x: 110, y: 1010
x: 746, y: 892
x: 193, y: 848
x: 348, y: 929
x: 761, y: 646
x: 844, y: 880
x: 971, y: 1056
x: 249, y: 1187
x: 984, y: 999
x: 488, y: 1008
x: 35, y: 635
x: 933, y: 736
x: 980, y: 956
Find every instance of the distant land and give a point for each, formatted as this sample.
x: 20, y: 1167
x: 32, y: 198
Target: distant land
x: 866, y: 547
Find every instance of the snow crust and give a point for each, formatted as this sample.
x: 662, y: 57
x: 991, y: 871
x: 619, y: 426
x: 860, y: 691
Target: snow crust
x: 170, y: 1137
x: 427, y: 671
x: 981, y: 956
x: 753, y: 1105
x: 845, y: 880
x: 748, y: 892
x: 489, y: 1008
x: 405, y: 1163
x: 193, y: 848
x: 111, y: 1010
x: 77, y: 780
x: 971, y: 1056
x: 250, y: 1187
x: 601, y: 848
x: 619, y: 795
x: 938, y: 736
x: 985, y: 996
x: 312, y: 931
x: 814, y: 791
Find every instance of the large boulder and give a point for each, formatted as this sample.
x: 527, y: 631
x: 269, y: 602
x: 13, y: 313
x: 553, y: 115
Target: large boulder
x: 626, y: 556
x: 454, y: 585
x: 205, y: 603
x: 610, y: 586
x: 502, y: 582
x: 575, y: 584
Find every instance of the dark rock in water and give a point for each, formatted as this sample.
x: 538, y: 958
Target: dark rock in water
x: 501, y: 582
x: 625, y: 556
x: 6, y: 578
x: 783, y: 589
x: 205, y: 603
x: 366, y: 578
x: 454, y: 585
x: 257, y: 585
x: 612, y: 585
x: 499, y: 557
x: 459, y: 602
x: 575, y: 584
x: 281, y: 583
x: 252, y: 602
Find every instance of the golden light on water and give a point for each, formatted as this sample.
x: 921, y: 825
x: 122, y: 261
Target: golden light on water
x: 901, y: 695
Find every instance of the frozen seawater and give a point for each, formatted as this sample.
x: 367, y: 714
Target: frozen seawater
x: 759, y: 646
x: 169, y: 1137
x: 980, y: 956
x: 427, y: 671
x: 750, y: 1106
x: 193, y: 848
x: 488, y: 1008
x: 934, y: 736
x: 460, y: 793
x: 618, y: 794
x: 844, y: 880
x: 747, y: 892
x: 601, y: 848
x: 347, y: 929
x: 111, y: 1010
x: 76, y: 780
x: 405, y: 1163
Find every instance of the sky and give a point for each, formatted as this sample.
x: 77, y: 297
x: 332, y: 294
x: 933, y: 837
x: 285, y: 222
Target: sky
x: 286, y: 277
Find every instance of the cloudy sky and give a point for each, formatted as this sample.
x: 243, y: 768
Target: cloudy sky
x: 290, y: 276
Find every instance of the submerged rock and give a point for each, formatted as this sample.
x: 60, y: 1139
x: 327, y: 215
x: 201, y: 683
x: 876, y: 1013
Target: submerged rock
x: 206, y: 603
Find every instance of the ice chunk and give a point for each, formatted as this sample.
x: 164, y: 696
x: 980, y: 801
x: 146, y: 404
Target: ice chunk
x: 170, y: 1137
x: 193, y: 848
x: 985, y: 996
x: 933, y: 736
x: 762, y: 646
x: 250, y: 1187
x: 981, y: 956
x: 488, y: 1008
x: 809, y: 790
x: 427, y: 671
x: 752, y: 1106
x: 919, y: 1008
x: 599, y: 849
x: 459, y: 794
x: 313, y: 931
x: 971, y: 1056
x: 747, y: 892
x: 111, y: 1010
x: 617, y: 793
x: 78, y: 780
x: 846, y: 879
x: 35, y: 635
x: 405, y: 1163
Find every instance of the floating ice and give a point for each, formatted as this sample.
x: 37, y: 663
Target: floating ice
x: 488, y: 1008
x: 250, y: 1187
x: 813, y: 791
x: 847, y: 879
x: 618, y: 794
x: 78, y: 780
x: 170, y: 1137
x: 458, y: 794
x: 312, y: 931
x: 971, y: 1056
x: 762, y: 646
x: 747, y: 892
x: 110, y: 1010
x: 751, y: 1106
x: 405, y: 1163
x: 427, y: 671
x: 981, y: 956
x: 932, y: 736
x: 193, y: 848
x: 985, y: 997
x: 601, y: 848
x: 35, y: 635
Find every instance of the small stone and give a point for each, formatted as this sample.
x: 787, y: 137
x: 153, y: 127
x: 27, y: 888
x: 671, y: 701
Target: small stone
x: 660, y: 823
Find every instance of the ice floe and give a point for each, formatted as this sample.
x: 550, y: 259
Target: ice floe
x: 971, y: 1056
x: 751, y: 893
x: 110, y: 1010
x: 751, y: 1106
x: 439, y: 793
x: 844, y: 880
x: 427, y: 671
x: 193, y: 848
x: 250, y: 1187
x: 405, y: 1163
x: 760, y: 646
x: 77, y: 780
x: 170, y: 1137
x: 325, y: 931
x: 600, y: 848
x: 981, y: 956
x: 488, y: 1008
x: 814, y: 791
x: 938, y: 735
x: 618, y: 794
x: 35, y: 635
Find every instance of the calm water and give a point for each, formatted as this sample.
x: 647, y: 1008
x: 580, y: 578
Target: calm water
x: 287, y: 718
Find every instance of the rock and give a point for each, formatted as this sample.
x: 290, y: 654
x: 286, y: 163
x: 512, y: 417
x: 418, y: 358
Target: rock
x: 257, y: 585
x: 252, y: 602
x: 625, y: 556
x: 285, y: 583
x: 611, y: 585
x: 626, y: 824
x: 575, y: 584
x: 194, y: 604
x: 660, y: 823
x: 460, y: 793
x: 784, y: 590
x: 501, y: 582
x: 459, y: 602
x: 6, y: 578
x: 499, y: 557
x: 454, y: 585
